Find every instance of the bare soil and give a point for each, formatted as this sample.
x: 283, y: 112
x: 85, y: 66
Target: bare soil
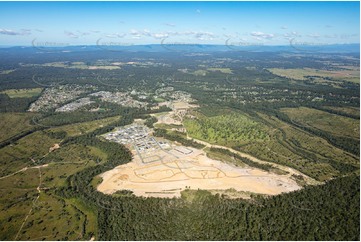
x: 174, y: 171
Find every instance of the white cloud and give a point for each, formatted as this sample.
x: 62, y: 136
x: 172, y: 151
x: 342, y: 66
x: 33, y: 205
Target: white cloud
x: 82, y: 33
x: 204, y: 35
x: 291, y: 35
x: 315, y: 35
x: 160, y: 35
x: 331, y: 36
x: 77, y: 34
x: 170, y: 24
x: 116, y: 35
x: 260, y: 35
x: 71, y: 34
x: 135, y: 34
x: 146, y: 32
x: 12, y: 32
x: 200, y: 35
x: 228, y: 36
x: 347, y: 36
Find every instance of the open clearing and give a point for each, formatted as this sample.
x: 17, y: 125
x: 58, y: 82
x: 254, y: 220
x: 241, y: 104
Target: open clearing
x: 20, y: 93
x: 85, y: 127
x: 76, y: 65
x: 164, y: 169
x: 332, y: 123
x: 346, y: 110
x: 4, y: 72
x: 167, y: 172
x: 352, y: 75
x: 174, y: 117
x: 14, y: 123
x: 223, y: 70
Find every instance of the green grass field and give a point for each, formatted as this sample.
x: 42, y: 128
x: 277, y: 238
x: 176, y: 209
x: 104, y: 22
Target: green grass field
x: 4, y: 72
x: 80, y: 65
x: 305, y: 152
x: 22, y: 153
x: 199, y: 73
x: 159, y: 99
x: 85, y: 127
x: 273, y: 140
x: 21, y: 93
x: 68, y: 160
x: 26, y: 213
x: 352, y: 75
x: 47, y: 218
x: 34, y: 217
x: 331, y: 123
x: 223, y: 70
x: 14, y: 123
x: 346, y: 110
x: 48, y: 214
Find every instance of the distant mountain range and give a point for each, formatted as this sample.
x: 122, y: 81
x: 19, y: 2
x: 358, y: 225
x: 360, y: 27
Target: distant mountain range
x: 334, y: 48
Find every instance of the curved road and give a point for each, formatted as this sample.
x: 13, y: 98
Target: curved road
x: 309, y: 180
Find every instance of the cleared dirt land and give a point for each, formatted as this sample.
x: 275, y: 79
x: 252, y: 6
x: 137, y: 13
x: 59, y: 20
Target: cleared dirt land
x: 166, y: 172
x: 175, y: 116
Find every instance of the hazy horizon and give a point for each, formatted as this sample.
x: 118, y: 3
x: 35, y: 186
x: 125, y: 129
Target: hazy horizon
x: 205, y: 23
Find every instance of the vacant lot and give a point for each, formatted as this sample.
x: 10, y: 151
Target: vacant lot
x: 24, y: 152
x: 352, y: 75
x: 331, y: 123
x: 175, y: 116
x: 85, y: 127
x: 199, y: 72
x: 223, y: 70
x: 27, y: 214
x: 77, y: 65
x: 30, y: 210
x: 14, y: 123
x: 4, y: 72
x: 19, y: 93
x: 172, y: 171
x: 346, y: 110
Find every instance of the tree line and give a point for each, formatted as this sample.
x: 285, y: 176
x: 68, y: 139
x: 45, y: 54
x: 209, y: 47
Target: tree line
x: 326, y: 212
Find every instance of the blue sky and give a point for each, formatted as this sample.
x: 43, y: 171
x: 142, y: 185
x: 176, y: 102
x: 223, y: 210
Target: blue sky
x: 125, y: 23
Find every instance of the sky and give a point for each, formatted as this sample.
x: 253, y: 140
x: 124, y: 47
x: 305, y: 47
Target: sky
x: 133, y: 23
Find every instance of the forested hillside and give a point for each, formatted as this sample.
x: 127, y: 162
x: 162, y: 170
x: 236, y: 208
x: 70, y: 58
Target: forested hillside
x: 327, y: 212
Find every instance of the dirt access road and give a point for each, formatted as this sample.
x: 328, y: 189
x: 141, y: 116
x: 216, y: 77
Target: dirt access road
x: 173, y: 172
x: 309, y: 180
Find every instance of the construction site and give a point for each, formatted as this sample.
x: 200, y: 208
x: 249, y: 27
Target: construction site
x: 161, y: 168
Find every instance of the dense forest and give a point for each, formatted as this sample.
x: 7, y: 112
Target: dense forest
x: 327, y: 212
